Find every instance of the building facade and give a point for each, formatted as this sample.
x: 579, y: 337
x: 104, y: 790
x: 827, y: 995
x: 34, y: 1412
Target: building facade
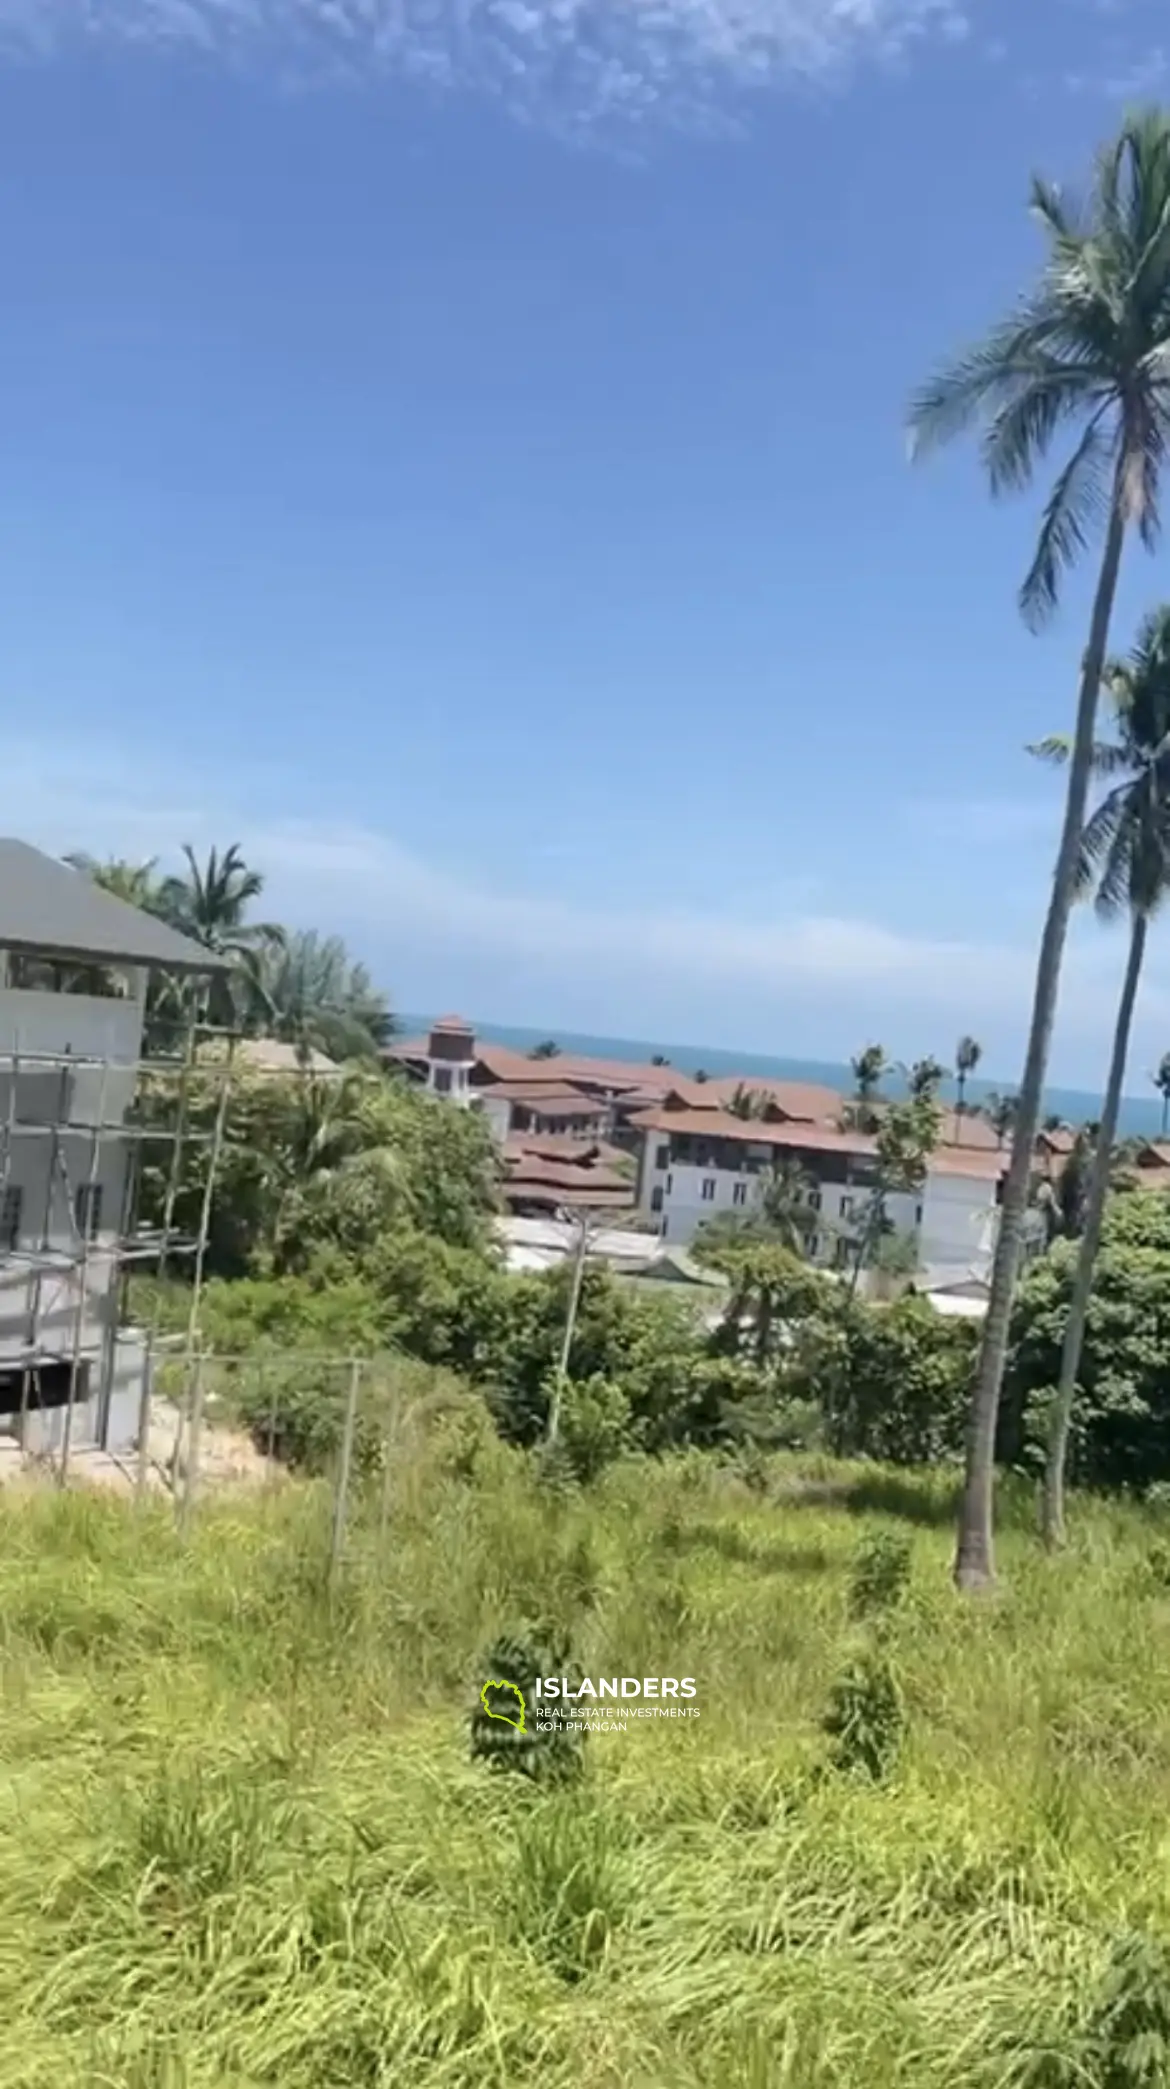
x: 695, y: 1166
x: 75, y: 966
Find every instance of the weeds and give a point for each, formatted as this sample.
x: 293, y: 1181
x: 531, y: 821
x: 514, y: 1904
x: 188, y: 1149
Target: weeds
x: 242, y: 1842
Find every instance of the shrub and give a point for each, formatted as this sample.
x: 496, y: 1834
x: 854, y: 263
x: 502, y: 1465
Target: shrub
x: 866, y: 1717
x: 881, y: 1573
x: 1121, y: 1423
x: 891, y: 1381
x: 504, y: 1730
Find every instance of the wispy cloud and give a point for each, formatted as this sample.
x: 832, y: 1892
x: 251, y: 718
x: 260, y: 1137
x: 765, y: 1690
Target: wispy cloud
x: 991, y: 820
x: 341, y: 874
x: 593, y: 60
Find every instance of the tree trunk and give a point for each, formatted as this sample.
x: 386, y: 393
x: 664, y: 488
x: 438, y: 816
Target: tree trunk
x: 1052, y: 1516
x: 975, y: 1552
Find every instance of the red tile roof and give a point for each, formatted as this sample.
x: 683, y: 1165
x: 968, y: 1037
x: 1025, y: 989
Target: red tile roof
x: 722, y: 1124
x: 806, y: 1100
x: 560, y: 1100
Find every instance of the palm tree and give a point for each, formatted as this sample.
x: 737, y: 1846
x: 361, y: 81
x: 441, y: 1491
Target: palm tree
x: 968, y: 1053
x: 311, y: 994
x: 136, y: 883
x: 1002, y: 1113
x: 139, y: 885
x: 1161, y: 1082
x: 868, y: 1069
x: 549, y: 1049
x: 210, y: 904
x: 1088, y: 348
x: 925, y: 1078
x: 659, y: 1059
x: 1125, y: 853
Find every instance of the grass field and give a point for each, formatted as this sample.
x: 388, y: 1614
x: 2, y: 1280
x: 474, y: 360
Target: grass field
x: 242, y: 1841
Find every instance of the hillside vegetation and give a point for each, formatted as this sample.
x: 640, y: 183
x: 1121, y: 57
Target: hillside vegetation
x: 244, y: 1841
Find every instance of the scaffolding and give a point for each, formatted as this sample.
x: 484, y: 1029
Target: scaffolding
x: 109, y: 1115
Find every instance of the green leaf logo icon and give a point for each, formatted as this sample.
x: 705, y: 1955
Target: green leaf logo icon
x: 514, y: 1705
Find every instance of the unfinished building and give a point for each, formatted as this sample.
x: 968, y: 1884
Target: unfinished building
x: 76, y: 966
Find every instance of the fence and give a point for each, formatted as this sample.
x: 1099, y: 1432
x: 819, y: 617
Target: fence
x: 214, y: 1421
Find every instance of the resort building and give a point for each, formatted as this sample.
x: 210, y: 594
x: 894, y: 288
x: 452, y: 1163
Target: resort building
x: 699, y: 1148
x: 697, y: 1164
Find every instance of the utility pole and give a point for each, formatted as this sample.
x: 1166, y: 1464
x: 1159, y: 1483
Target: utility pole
x: 589, y: 1225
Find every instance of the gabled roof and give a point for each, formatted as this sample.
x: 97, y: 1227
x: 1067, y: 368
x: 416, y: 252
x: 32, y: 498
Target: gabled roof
x: 49, y: 907
x: 806, y: 1100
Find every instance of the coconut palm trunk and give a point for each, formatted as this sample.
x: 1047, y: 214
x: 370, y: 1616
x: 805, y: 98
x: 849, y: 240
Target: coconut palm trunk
x: 975, y: 1553
x: 1052, y: 1522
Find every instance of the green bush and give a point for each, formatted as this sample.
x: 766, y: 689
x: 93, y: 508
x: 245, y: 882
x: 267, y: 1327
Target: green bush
x: 866, y: 1717
x: 892, y: 1382
x: 1121, y: 1420
x: 881, y: 1573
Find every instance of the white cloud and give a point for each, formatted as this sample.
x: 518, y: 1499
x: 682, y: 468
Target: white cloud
x: 333, y: 873
x: 616, y: 959
x: 584, y: 60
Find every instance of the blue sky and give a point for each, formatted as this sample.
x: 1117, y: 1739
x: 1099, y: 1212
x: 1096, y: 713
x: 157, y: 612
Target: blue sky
x: 458, y: 452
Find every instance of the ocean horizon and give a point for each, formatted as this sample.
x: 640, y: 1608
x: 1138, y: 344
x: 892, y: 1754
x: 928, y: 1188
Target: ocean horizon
x: 1139, y: 1115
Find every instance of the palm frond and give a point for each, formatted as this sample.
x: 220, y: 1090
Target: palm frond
x: 1079, y: 499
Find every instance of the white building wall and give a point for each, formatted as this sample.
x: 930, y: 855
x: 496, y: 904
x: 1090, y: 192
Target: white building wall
x: 958, y: 1226
x: 953, y: 1219
x: 498, y: 1111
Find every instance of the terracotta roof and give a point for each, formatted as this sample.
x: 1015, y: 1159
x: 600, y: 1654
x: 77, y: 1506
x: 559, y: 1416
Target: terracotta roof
x: 806, y: 1100
x: 556, y: 1196
x: 795, y: 1137
x: 452, y: 1022
x: 551, y: 1102
x: 954, y: 1160
x: 560, y: 1146
x: 1061, y: 1141
x: 1159, y: 1150
x: 721, y: 1124
x: 968, y: 1130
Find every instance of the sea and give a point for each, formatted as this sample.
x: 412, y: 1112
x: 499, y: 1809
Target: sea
x: 1139, y: 1114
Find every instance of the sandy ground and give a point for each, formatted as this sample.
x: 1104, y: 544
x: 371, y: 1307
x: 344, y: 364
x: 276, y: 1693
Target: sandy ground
x: 227, y: 1458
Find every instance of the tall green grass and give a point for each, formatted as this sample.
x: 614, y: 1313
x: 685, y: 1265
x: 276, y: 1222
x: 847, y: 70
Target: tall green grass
x: 242, y: 1841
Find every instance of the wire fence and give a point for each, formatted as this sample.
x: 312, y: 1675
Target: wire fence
x: 212, y: 1424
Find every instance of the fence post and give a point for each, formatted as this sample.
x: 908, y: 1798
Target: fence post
x: 194, y: 1430
x: 273, y: 1406
x: 348, y: 1429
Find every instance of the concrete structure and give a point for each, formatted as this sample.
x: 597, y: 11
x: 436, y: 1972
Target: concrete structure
x: 75, y: 964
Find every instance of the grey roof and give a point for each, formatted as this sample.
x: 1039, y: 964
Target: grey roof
x: 47, y: 906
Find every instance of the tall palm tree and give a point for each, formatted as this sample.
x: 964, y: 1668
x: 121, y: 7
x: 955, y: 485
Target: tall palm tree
x: 1088, y: 349
x: 547, y: 1049
x: 210, y: 904
x: 925, y: 1078
x: 1162, y: 1084
x: 968, y: 1053
x: 1002, y: 1113
x: 868, y: 1069
x: 1125, y: 854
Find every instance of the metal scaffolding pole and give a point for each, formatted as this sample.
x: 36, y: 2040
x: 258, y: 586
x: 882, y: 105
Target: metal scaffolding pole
x: 146, y: 1391
x: 195, y: 1404
x: 85, y: 1219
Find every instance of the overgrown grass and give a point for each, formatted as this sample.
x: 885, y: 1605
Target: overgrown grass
x: 242, y: 1842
